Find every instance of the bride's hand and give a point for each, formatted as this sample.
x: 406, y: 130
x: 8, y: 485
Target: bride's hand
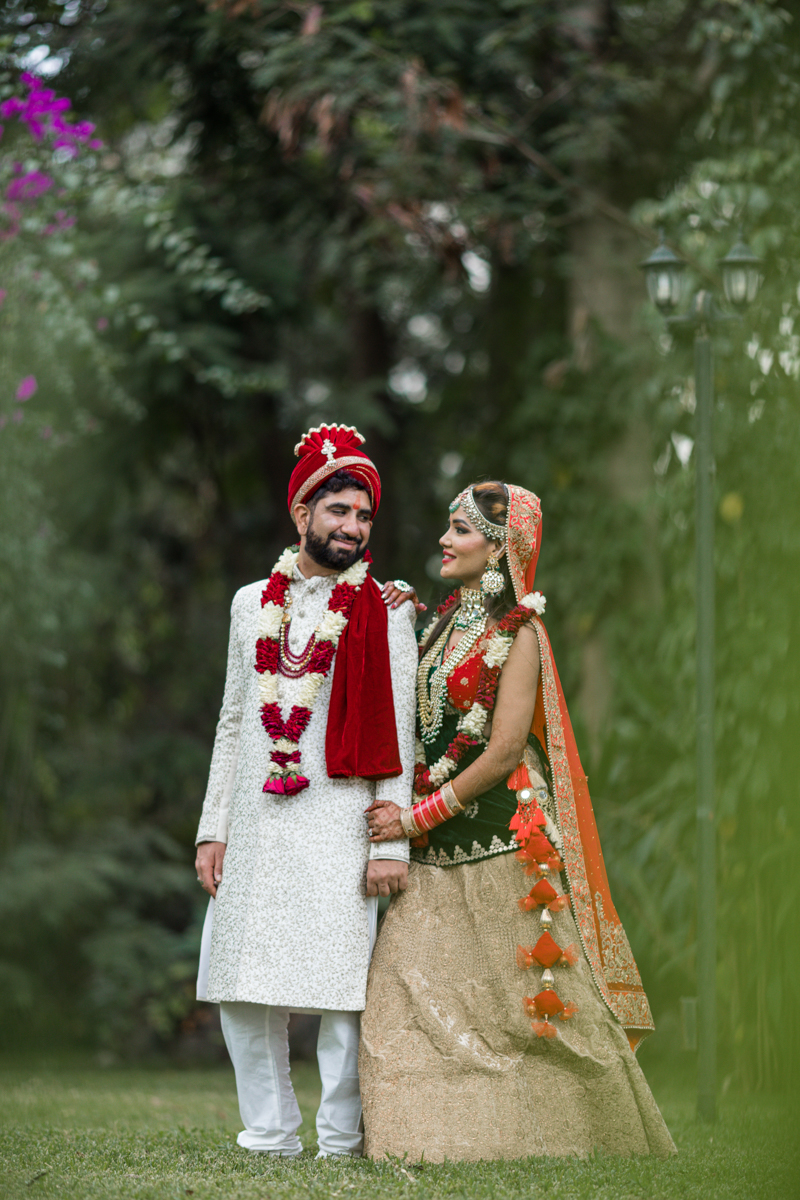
x: 395, y: 595
x: 383, y: 819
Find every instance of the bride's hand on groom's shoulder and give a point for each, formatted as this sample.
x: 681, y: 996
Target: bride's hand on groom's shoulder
x: 397, y: 591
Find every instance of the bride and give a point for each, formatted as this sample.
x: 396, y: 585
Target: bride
x: 504, y: 1003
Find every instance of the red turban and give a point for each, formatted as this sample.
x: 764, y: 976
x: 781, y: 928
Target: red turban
x: 325, y: 450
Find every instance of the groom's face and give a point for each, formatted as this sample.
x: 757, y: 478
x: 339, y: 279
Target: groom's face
x: 337, y: 528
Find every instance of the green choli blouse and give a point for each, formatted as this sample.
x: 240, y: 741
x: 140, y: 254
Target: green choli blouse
x: 482, y: 829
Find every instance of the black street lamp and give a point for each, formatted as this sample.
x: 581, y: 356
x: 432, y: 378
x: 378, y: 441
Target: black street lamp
x: 741, y: 278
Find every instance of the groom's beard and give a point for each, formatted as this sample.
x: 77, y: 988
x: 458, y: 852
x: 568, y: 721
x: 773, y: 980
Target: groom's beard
x: 336, y: 558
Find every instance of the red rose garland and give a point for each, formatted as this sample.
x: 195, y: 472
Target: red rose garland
x: 284, y: 776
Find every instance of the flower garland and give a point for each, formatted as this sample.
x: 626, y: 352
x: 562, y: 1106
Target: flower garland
x: 472, y: 723
x: 538, y: 836
x: 284, y: 775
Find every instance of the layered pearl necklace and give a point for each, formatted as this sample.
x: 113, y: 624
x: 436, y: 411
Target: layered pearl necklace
x: 470, y: 617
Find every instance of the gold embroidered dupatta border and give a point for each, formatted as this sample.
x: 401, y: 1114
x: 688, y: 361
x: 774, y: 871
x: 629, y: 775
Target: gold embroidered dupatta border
x: 604, y: 940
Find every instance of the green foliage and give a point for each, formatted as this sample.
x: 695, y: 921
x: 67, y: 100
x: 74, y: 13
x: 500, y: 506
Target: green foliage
x: 373, y: 213
x: 106, y: 921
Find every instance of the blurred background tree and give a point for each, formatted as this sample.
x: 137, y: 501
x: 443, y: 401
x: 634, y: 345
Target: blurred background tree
x: 424, y: 220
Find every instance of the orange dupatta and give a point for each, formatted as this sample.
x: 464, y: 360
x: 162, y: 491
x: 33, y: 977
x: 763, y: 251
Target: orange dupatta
x: 601, y: 932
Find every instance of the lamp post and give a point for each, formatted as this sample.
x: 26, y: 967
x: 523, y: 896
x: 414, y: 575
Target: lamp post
x: 664, y: 272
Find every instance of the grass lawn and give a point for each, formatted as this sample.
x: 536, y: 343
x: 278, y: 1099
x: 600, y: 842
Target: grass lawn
x: 72, y: 1130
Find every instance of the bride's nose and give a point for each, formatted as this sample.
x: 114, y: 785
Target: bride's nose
x: 444, y: 540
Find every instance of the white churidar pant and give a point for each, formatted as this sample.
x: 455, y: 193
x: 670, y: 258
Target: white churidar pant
x: 256, y: 1036
x: 258, y: 1043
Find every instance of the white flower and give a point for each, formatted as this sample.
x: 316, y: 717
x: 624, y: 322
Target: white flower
x: 534, y: 600
x: 309, y: 689
x: 267, y: 688
x: 286, y: 746
x: 287, y: 562
x: 354, y: 575
x: 269, y: 621
x: 474, y: 721
x: 331, y: 627
x: 442, y: 769
x: 497, y: 651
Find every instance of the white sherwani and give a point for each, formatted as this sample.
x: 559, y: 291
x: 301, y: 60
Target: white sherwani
x: 290, y: 921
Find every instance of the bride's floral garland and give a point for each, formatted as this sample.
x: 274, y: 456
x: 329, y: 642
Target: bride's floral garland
x: 284, y: 776
x: 472, y: 723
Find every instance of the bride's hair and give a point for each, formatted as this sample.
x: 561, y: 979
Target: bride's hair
x: 491, y: 498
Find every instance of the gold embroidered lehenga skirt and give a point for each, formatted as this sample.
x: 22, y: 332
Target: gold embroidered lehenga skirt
x: 449, y: 1065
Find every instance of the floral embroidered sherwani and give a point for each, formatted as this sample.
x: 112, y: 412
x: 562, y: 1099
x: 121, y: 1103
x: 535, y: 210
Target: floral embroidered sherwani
x: 290, y: 921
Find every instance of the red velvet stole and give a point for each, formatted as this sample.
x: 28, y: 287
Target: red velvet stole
x: 361, y: 738
x: 602, y: 934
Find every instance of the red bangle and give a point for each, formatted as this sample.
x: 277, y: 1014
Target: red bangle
x: 431, y: 811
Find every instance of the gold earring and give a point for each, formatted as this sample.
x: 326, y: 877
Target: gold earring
x: 492, y: 581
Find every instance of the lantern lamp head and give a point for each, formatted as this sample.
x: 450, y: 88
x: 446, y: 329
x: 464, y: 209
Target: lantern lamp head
x: 741, y: 274
x: 664, y: 276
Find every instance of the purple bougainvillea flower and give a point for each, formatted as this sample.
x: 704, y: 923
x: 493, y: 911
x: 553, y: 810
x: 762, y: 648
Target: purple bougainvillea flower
x: 102, y: 323
x: 42, y: 111
x: 27, y: 388
x: 29, y: 186
x: 47, y: 432
x: 3, y: 294
x: 17, y: 415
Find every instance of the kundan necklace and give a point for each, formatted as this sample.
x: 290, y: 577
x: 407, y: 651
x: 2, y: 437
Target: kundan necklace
x: 471, y: 724
x: 274, y: 658
x: 471, y: 617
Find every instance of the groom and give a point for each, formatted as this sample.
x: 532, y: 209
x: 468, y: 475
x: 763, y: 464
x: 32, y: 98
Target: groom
x: 317, y: 722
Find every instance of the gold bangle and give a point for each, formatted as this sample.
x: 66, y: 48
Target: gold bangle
x: 410, y: 828
x: 451, y: 800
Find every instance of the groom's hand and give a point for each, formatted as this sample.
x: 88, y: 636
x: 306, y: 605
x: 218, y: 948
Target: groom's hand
x: 208, y: 865
x: 385, y: 876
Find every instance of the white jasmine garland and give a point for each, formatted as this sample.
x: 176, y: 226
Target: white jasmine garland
x: 309, y: 689
x: 287, y: 561
x: 331, y: 627
x: 419, y: 751
x: 535, y: 601
x: 330, y: 630
x: 474, y: 721
x: 269, y: 621
x: 498, y: 649
x: 354, y: 575
x: 442, y: 769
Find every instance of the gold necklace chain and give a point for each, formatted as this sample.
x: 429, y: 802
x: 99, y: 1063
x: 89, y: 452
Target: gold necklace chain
x: 432, y: 687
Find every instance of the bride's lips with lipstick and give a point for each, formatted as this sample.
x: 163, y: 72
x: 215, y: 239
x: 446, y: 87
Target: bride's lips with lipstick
x: 448, y: 557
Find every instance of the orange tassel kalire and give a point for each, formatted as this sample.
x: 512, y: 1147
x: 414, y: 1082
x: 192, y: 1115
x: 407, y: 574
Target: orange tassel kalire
x: 546, y: 953
x: 539, y: 856
x: 518, y: 778
x: 545, y: 894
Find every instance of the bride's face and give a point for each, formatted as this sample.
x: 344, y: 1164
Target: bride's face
x: 465, y: 551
